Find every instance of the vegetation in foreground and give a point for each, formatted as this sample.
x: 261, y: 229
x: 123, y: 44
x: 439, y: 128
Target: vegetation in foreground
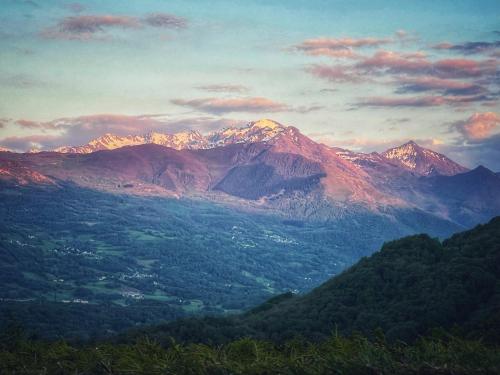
x: 337, y: 355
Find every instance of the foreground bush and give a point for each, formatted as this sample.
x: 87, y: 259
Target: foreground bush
x: 337, y: 355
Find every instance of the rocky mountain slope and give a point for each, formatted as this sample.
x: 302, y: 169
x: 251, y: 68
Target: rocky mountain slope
x: 422, y: 161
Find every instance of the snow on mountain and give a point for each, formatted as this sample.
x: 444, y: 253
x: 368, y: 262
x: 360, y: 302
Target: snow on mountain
x: 258, y: 131
x: 106, y: 142
x: 178, y: 141
x: 3, y: 149
x: 423, y: 161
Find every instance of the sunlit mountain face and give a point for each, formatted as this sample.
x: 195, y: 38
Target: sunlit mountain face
x: 164, y: 160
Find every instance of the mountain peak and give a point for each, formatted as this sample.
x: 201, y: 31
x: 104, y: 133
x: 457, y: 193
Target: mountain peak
x: 263, y: 130
x: 481, y: 170
x: 421, y: 160
x: 266, y: 123
x: 411, y: 143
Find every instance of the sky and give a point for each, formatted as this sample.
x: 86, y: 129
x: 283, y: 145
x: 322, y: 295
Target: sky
x: 362, y: 75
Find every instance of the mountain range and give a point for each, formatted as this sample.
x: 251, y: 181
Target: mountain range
x: 265, y: 165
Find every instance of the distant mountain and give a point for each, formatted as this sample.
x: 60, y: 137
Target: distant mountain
x: 409, y: 156
x: 3, y: 149
x: 178, y: 141
x: 409, y: 287
x: 470, y: 197
x: 268, y: 166
x: 258, y: 131
x: 422, y: 161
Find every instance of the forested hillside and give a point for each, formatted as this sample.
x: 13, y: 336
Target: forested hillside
x: 408, y: 288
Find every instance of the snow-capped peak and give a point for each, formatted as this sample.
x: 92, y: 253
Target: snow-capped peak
x: 262, y: 130
x: 259, y: 131
x: 421, y: 160
x: 266, y: 123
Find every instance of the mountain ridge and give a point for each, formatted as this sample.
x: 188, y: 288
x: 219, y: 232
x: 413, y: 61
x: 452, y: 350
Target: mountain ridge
x: 410, y: 155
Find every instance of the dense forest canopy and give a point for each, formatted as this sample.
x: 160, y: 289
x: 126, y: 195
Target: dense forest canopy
x: 408, y: 288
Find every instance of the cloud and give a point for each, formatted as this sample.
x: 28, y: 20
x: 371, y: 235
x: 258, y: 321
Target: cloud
x: 28, y: 124
x: 456, y: 81
x: 336, y: 73
x: 407, y: 64
x: 417, y: 64
x: 26, y: 143
x: 469, y: 47
x: 165, y: 20
x: 224, y: 88
x: 477, y: 141
x: 92, y: 24
x: 419, y: 101
x: 459, y: 68
x: 444, y: 86
x: 88, y: 27
x: 218, y: 106
x: 337, y: 47
x: 94, y: 27
x: 479, y: 126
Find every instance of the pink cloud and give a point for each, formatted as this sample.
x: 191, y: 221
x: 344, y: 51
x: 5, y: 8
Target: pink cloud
x: 217, y: 105
x: 337, y: 47
x: 444, y: 45
x: 479, y: 126
x: 336, y: 73
x: 393, y: 62
x: 456, y: 68
x: 28, y: 124
x: 417, y: 64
